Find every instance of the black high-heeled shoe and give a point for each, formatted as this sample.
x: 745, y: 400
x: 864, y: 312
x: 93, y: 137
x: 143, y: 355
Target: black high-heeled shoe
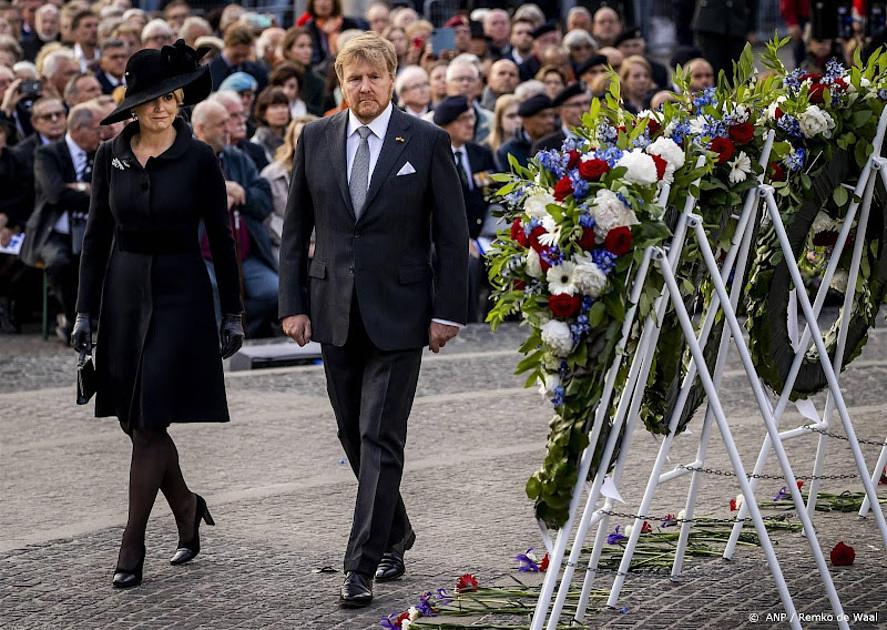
x: 189, y: 550
x: 127, y: 578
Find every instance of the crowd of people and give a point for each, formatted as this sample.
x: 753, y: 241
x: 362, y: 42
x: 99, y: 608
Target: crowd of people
x: 504, y: 84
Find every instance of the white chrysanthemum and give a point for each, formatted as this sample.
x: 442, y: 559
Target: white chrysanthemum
x: 740, y: 167
x: 547, y: 385
x: 414, y: 613
x: 641, y: 167
x: 556, y: 335
x: 552, y: 231
x: 740, y: 114
x: 668, y: 150
x: 560, y: 278
x: 588, y: 277
x: 535, y: 204
x: 697, y: 125
x: 824, y: 223
x: 534, y: 264
x: 609, y: 211
x: 814, y: 121
x: 771, y: 109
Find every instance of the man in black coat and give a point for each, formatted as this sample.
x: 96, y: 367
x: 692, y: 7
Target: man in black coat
x: 573, y: 101
x: 54, y: 232
x: 722, y: 27
x: 235, y: 57
x: 375, y: 184
x: 112, y: 65
x: 475, y: 166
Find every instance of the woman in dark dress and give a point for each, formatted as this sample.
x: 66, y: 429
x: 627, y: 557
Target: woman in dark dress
x: 157, y: 356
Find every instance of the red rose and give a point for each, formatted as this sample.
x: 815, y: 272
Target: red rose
x: 778, y: 113
x: 813, y: 76
x: 534, y: 238
x: 564, y: 306
x: 466, y: 583
x: 593, y: 170
x: 519, y: 284
x: 563, y: 189
x: 839, y: 84
x: 661, y: 165
x: 825, y: 239
x: 645, y: 528
x: 724, y: 147
x: 743, y: 133
x: 777, y: 173
x: 517, y: 233
x: 815, y: 93
x: 618, y: 240
x: 575, y: 156
x: 588, y: 240
x: 842, y: 555
x: 799, y: 483
x: 653, y: 125
x: 543, y: 565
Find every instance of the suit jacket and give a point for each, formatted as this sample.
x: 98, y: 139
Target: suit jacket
x: 384, y: 258
x: 551, y: 141
x: 238, y: 167
x: 733, y: 18
x: 53, y: 169
x: 480, y: 160
x: 219, y: 71
x: 107, y: 86
x: 519, y: 146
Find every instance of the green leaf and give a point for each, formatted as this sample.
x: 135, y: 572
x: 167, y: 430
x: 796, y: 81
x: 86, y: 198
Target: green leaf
x: 840, y: 196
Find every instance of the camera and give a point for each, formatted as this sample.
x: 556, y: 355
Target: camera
x: 30, y: 89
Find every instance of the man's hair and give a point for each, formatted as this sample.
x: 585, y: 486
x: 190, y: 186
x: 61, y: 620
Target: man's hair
x: 155, y: 27
x: 79, y: 17
x: 10, y: 45
x: 203, y: 109
x: 407, y: 74
x: 53, y: 60
x: 113, y: 43
x: 578, y: 37
x: 457, y: 63
x: 369, y: 47
x: 523, y: 20
x: 47, y: 8
x: 43, y: 101
x: 239, y: 35
x: 223, y: 97
x: 71, y: 88
x: 81, y: 115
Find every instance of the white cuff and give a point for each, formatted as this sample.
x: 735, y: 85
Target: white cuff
x: 447, y: 322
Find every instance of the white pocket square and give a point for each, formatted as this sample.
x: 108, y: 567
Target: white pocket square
x: 406, y: 169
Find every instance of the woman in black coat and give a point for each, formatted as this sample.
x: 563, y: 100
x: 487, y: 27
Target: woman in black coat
x: 158, y: 358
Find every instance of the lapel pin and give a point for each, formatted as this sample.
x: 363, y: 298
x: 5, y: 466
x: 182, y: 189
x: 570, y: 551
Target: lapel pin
x: 399, y: 139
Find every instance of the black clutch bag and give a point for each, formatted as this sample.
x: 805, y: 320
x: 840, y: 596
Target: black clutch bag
x: 85, y: 378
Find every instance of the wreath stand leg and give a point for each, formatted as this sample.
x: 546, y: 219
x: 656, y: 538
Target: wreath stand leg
x: 876, y: 475
x: 637, y: 374
x: 736, y: 259
x: 558, y: 549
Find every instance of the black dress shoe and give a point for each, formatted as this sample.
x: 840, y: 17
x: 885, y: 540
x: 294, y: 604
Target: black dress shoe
x: 357, y: 590
x: 127, y: 578
x: 189, y: 550
x: 391, y: 567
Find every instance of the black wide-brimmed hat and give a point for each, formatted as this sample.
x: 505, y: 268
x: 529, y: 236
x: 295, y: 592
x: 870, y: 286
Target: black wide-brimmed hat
x: 152, y: 73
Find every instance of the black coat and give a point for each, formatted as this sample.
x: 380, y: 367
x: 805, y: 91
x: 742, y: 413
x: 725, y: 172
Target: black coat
x: 519, y: 146
x: 157, y: 349
x: 482, y: 164
x: 551, y: 141
x: 15, y: 184
x: 384, y: 257
x: 53, y: 170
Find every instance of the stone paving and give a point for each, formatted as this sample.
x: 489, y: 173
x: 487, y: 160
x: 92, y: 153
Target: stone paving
x: 282, y: 498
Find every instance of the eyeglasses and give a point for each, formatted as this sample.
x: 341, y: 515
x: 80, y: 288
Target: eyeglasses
x: 417, y: 86
x: 51, y: 116
x: 160, y: 38
x: 512, y: 115
x: 464, y: 79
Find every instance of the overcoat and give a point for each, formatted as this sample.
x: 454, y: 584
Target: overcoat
x: 157, y: 348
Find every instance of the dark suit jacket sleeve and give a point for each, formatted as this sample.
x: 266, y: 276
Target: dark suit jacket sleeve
x: 218, y: 231
x: 50, y: 179
x: 449, y: 232
x: 298, y: 223
x: 98, y: 236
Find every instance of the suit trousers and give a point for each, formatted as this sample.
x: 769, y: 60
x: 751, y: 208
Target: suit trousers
x: 372, y: 393
x: 62, y: 267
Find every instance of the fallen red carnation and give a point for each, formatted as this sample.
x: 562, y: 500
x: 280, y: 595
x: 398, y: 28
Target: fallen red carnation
x: 588, y: 239
x: 563, y: 188
x: 661, y: 165
x: 743, y: 133
x: 724, y: 147
x: 733, y: 504
x: 842, y: 555
x: 593, y: 170
x: 543, y: 565
x: 800, y: 483
x: 517, y: 233
x: 401, y: 618
x: 618, y: 240
x: 575, y: 156
x: 466, y: 583
x: 645, y: 528
x: 564, y: 305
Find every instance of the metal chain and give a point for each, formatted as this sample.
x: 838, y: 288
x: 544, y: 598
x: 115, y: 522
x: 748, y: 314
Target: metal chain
x: 728, y: 473
x: 844, y: 437
x: 676, y: 520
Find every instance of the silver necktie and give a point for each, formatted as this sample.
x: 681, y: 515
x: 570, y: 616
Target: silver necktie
x: 360, y: 172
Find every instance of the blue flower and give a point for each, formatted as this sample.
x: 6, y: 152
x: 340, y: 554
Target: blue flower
x: 882, y: 94
x: 623, y: 610
x: 704, y: 98
x: 607, y: 133
x: 552, y: 256
x: 390, y: 623
x: 603, y: 259
x: 714, y: 128
x: 623, y: 199
x: 681, y: 131
x: 610, y: 155
x: 643, y: 140
x: 443, y: 598
x: 580, y: 186
x: 793, y: 80
x: 554, y: 162
x: 790, y: 125
x: 587, y: 301
x: 615, y: 537
x: 424, y: 606
x: 795, y: 159
x: 525, y: 563
x: 834, y: 69
x: 586, y: 220
x: 570, y: 144
x: 782, y: 494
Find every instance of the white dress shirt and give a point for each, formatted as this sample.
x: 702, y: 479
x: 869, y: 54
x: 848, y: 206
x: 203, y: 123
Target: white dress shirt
x: 379, y: 127
x: 79, y: 158
x: 83, y: 60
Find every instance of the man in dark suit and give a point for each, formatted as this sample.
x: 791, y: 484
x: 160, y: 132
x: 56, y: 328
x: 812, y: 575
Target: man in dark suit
x: 377, y: 190
x: 722, y: 28
x: 112, y: 65
x: 235, y: 57
x: 54, y: 232
x: 573, y: 101
x: 475, y: 166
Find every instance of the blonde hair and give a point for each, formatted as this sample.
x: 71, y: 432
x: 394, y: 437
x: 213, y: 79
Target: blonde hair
x: 287, y: 150
x: 369, y: 47
x: 497, y: 133
x: 634, y: 60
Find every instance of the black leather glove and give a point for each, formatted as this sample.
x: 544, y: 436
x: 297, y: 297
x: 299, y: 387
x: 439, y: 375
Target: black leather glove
x: 231, y: 334
x: 81, y: 336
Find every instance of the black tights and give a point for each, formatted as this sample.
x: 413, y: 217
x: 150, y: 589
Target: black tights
x: 155, y: 466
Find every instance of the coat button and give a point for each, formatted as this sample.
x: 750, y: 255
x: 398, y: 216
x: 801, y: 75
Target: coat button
x: 351, y: 269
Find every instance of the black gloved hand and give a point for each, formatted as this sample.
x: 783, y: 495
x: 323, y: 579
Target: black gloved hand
x: 81, y: 336
x: 231, y: 334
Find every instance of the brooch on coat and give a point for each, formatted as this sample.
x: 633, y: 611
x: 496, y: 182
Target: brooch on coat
x: 121, y: 164
x: 399, y: 139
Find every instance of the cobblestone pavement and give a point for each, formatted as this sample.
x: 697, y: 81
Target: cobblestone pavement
x: 282, y: 497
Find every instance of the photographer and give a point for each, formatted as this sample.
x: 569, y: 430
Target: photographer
x: 15, y: 104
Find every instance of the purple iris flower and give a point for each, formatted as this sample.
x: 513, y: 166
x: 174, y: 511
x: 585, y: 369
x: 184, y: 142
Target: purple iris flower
x: 443, y: 598
x: 525, y: 564
x: 615, y: 537
x: 782, y: 494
